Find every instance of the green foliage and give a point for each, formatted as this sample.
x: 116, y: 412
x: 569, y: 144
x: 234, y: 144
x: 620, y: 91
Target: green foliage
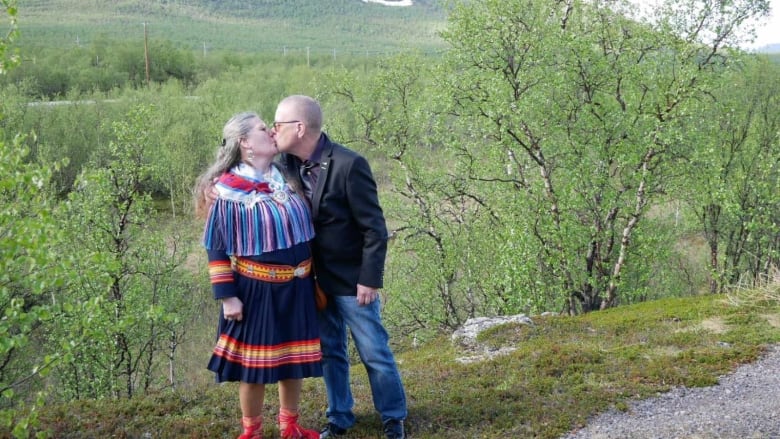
x: 535, y: 168
x: 8, y: 59
x: 734, y: 192
x: 130, y: 272
x: 53, y: 73
x: 30, y: 272
x: 105, y: 66
x: 31, y: 276
x: 582, y: 118
x: 441, y: 267
x: 184, y: 134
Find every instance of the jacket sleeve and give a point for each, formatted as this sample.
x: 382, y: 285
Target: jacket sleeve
x: 223, y: 282
x: 367, y: 213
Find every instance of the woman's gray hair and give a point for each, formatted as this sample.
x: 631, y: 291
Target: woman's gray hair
x: 228, y: 156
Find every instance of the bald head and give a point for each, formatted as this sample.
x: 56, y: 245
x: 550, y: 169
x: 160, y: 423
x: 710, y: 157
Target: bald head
x: 305, y: 109
x: 298, y: 125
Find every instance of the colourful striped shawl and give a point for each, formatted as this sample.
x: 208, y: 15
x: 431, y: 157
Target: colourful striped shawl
x: 246, y: 220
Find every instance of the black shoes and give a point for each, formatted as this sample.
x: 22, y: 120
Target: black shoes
x: 394, y: 429
x: 332, y: 431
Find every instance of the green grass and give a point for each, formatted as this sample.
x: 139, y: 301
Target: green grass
x: 563, y: 371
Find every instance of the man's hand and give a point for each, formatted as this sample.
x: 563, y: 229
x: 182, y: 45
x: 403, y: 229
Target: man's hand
x: 210, y: 193
x: 366, y: 295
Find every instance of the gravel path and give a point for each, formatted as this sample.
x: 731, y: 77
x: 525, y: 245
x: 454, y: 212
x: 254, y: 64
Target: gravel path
x: 744, y: 405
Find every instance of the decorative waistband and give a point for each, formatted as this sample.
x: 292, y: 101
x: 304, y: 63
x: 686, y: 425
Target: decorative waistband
x: 271, y: 272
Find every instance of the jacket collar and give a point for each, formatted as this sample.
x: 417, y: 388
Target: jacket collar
x: 326, y: 158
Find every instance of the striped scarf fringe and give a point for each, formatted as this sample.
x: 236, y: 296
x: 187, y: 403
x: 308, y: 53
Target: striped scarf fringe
x: 256, y: 224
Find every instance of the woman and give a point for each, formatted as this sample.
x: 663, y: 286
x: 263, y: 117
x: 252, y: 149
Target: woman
x: 257, y: 237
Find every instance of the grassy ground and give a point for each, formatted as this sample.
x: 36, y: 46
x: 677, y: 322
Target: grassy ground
x: 343, y: 26
x: 563, y: 371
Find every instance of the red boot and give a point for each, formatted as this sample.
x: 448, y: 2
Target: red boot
x: 288, y: 425
x: 253, y: 427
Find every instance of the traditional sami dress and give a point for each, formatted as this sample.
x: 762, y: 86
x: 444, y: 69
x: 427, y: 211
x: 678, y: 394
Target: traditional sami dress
x: 256, y: 228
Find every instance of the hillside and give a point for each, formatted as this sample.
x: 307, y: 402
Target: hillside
x: 551, y: 376
x: 769, y: 48
x: 257, y: 26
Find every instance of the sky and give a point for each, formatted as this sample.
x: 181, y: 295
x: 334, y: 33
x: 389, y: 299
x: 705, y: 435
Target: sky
x: 769, y: 32
x: 767, y: 29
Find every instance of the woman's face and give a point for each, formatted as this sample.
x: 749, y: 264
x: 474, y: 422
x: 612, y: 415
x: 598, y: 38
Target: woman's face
x: 259, y: 141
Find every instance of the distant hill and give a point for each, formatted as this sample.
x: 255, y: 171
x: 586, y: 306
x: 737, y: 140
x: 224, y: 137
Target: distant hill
x: 769, y: 48
x: 236, y: 25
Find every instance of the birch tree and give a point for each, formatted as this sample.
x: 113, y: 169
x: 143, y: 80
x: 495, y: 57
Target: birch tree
x: 587, y: 108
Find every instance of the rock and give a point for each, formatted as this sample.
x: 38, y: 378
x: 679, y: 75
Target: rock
x: 467, y: 334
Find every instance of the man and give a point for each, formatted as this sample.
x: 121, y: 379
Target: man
x: 349, y: 255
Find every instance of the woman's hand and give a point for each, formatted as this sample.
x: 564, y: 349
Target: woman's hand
x: 233, y: 309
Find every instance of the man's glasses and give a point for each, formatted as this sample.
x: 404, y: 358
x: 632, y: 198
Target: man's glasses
x: 277, y: 124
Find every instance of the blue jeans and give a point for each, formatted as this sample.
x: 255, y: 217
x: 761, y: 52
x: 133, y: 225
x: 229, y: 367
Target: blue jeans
x: 371, y: 341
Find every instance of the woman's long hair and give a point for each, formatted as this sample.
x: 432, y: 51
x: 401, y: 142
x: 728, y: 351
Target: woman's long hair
x: 228, y: 156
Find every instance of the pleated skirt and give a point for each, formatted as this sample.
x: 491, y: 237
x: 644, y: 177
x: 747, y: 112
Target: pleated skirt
x: 278, y: 337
